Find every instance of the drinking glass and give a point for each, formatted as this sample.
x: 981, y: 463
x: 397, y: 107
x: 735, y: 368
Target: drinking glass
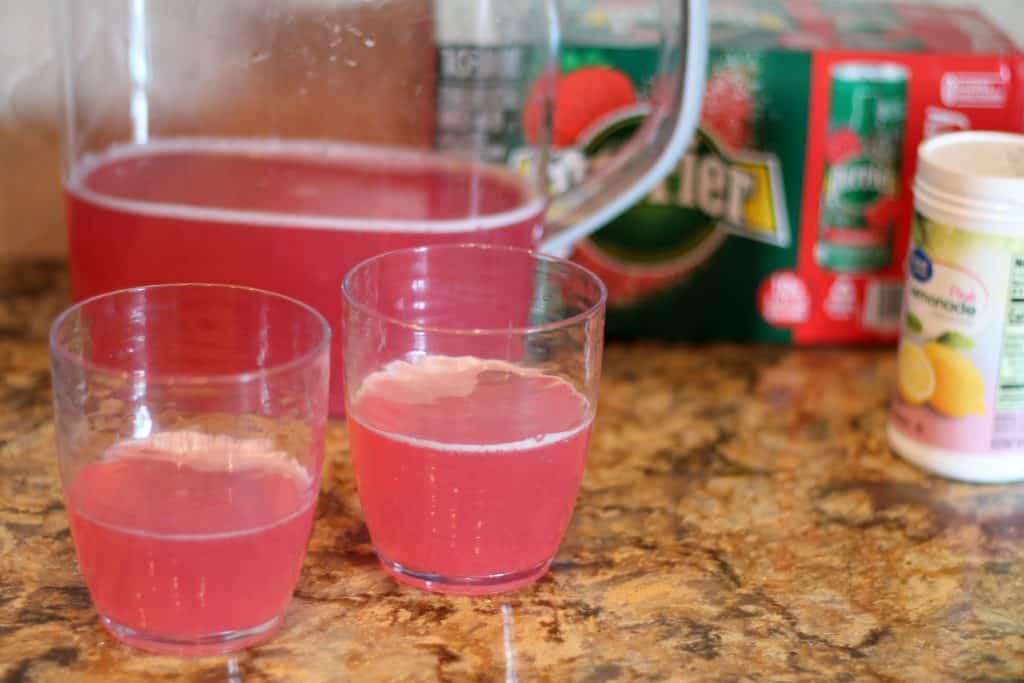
x: 472, y: 376
x: 277, y: 143
x: 190, y: 426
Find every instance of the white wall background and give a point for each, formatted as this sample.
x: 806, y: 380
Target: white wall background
x: 30, y: 213
x: 1007, y: 14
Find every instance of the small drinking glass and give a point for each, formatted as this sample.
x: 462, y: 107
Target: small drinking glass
x: 471, y: 384
x: 190, y: 431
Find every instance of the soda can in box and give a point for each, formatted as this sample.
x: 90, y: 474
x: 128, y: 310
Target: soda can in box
x: 864, y: 158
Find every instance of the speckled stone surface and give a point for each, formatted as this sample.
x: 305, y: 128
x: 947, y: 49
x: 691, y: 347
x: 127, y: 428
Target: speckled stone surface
x: 741, y: 519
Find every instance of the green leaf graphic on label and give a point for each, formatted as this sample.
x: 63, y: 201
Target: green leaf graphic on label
x: 919, y: 237
x: 914, y: 324
x: 581, y: 58
x: 955, y: 340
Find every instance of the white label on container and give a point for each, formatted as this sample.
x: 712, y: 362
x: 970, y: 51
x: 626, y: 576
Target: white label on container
x: 961, y: 385
x: 976, y: 90
x: 950, y: 299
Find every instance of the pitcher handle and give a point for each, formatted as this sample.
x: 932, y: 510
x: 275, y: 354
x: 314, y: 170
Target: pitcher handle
x: 675, y: 103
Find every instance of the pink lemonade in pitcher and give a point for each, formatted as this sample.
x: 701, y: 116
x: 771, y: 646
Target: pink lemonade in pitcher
x: 467, y: 468
x: 289, y: 216
x: 184, y: 535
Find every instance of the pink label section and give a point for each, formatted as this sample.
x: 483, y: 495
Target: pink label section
x: 977, y: 434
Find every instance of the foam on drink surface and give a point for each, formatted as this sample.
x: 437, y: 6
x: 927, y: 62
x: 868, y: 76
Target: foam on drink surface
x: 439, y: 391
x: 211, y: 453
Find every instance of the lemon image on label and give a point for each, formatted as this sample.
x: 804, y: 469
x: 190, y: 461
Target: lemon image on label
x: 959, y: 387
x: 916, y: 381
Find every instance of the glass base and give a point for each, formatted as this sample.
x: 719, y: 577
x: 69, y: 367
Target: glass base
x: 466, y: 585
x: 213, y: 644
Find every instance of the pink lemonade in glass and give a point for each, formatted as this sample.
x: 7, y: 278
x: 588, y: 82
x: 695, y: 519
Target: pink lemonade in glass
x: 288, y: 216
x: 467, y: 468
x: 183, y: 535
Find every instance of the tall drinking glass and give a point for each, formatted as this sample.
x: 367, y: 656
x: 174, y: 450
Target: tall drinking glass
x: 472, y: 375
x: 190, y: 430
x: 277, y: 143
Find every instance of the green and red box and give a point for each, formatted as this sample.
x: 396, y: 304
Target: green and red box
x: 788, y: 218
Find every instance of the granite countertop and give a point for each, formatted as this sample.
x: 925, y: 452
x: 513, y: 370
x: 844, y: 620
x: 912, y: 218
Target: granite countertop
x: 741, y: 519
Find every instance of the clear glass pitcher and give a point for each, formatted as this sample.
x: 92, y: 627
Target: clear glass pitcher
x: 277, y: 143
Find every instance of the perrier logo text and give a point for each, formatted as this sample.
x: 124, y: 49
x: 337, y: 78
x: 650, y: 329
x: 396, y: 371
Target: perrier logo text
x: 742, y: 193
x: 862, y: 177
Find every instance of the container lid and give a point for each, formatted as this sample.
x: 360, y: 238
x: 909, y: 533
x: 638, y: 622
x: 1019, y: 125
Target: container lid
x: 978, y: 167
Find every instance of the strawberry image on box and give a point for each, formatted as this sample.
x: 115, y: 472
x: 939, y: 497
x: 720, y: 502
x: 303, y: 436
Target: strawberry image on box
x: 582, y: 97
x: 842, y: 145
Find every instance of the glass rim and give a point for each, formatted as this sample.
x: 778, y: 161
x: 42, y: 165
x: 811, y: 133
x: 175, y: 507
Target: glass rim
x: 59, y: 348
x: 579, y: 271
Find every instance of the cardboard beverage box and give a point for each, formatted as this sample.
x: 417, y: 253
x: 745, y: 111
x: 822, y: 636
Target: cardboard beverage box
x: 787, y: 220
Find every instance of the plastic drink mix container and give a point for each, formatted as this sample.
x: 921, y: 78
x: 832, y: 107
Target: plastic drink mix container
x: 959, y: 405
